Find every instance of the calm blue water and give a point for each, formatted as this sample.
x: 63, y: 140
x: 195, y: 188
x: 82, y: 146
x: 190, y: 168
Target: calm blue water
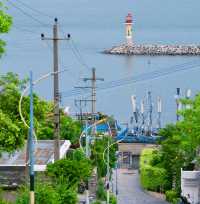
x: 94, y: 26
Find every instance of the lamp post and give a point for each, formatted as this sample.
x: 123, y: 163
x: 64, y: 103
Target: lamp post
x: 31, y: 144
x: 116, y: 175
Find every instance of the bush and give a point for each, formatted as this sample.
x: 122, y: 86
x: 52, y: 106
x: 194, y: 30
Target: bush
x: 66, y: 195
x: 151, y: 177
x: 171, y: 196
x: 44, y: 194
x: 97, y: 202
x: 70, y: 172
x: 101, y: 193
x: 113, y: 199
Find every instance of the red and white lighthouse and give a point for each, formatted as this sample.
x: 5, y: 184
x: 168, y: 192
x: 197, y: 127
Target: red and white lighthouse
x: 128, y: 24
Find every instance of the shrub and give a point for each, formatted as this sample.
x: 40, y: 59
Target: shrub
x: 67, y: 171
x: 97, y: 202
x: 151, y: 177
x: 101, y: 193
x: 171, y: 196
x: 44, y: 194
x: 113, y: 199
x: 66, y: 195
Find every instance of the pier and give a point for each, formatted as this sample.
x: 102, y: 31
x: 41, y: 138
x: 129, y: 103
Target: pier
x: 133, y: 49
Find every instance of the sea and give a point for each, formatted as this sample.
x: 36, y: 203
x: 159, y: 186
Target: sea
x: 95, y: 26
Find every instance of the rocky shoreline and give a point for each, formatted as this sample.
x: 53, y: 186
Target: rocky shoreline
x: 125, y: 49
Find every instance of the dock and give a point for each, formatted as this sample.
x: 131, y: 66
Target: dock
x: 134, y: 49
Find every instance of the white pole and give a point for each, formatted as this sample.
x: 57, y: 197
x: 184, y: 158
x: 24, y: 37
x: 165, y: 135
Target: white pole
x: 108, y: 173
x: 87, y: 155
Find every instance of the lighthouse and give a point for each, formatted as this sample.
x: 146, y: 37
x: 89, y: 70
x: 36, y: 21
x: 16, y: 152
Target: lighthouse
x: 128, y: 24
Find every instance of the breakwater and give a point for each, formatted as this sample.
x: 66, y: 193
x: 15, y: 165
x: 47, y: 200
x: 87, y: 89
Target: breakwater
x: 134, y: 49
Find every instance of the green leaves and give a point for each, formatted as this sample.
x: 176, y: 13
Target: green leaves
x: 97, y: 155
x: 71, y: 171
x: 5, y: 24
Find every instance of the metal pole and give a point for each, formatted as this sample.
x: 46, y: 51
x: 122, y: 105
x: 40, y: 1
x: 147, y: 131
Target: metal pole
x: 56, y: 93
x: 108, y: 173
x: 31, y: 143
x: 178, y: 90
x: 93, y: 91
x: 116, y: 177
x: 150, y: 114
x: 159, y: 111
x: 87, y: 155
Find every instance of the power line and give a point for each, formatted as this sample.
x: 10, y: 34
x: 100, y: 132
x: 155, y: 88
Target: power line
x: 139, y: 78
x: 27, y: 14
x: 33, y: 9
x: 76, y: 52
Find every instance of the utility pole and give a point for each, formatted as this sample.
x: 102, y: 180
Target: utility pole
x: 55, y: 40
x: 108, y: 173
x: 88, y: 156
x: 150, y: 114
x: 159, y: 106
x: 93, y: 80
x: 142, y: 114
x: 31, y: 144
x: 178, y: 103
x: 79, y: 104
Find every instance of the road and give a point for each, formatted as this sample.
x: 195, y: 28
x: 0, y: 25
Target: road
x: 129, y: 190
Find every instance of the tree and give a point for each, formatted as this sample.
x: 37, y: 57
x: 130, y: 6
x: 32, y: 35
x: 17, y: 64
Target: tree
x: 5, y: 24
x: 70, y: 171
x: 97, y: 155
x: 181, y: 144
x: 10, y: 93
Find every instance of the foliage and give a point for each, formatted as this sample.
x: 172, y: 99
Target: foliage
x: 44, y: 194
x: 70, y: 129
x: 97, y: 202
x: 66, y: 194
x: 113, y: 199
x: 171, y: 195
x: 151, y: 177
x: 97, y: 155
x: 12, y: 130
x: 181, y: 145
x: 5, y: 24
x: 71, y: 172
x: 101, y: 193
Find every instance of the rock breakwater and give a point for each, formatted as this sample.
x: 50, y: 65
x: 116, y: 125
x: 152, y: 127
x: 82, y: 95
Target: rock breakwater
x: 125, y: 49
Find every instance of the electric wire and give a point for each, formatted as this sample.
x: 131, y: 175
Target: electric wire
x: 33, y: 9
x: 26, y: 90
x: 26, y: 13
x: 134, y: 79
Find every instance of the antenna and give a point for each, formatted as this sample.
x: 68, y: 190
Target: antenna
x: 159, y: 106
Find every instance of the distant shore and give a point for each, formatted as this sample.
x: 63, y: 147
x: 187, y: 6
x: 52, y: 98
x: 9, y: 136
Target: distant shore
x: 135, y: 49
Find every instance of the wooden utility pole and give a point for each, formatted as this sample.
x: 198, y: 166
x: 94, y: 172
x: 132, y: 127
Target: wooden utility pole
x: 55, y: 40
x: 93, y: 80
x: 31, y: 145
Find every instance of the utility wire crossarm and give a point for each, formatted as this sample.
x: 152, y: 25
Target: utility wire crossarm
x: 55, y: 40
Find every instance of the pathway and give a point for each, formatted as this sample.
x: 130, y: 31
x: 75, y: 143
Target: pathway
x: 130, y: 191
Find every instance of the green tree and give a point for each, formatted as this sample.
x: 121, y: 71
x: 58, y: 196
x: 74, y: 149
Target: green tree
x: 5, y: 24
x: 44, y: 194
x: 10, y: 93
x: 97, y: 155
x: 70, y: 171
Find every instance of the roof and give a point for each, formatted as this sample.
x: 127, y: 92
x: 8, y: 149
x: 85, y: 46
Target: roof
x: 44, y: 154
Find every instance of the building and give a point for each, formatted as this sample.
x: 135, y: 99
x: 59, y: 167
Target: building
x: 190, y: 186
x: 128, y: 26
x: 13, y: 166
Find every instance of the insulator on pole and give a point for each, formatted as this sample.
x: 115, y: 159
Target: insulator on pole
x: 142, y: 106
x: 159, y: 101
x: 133, y: 99
x: 188, y: 93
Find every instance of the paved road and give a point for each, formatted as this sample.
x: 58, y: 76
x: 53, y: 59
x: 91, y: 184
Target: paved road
x: 130, y: 191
